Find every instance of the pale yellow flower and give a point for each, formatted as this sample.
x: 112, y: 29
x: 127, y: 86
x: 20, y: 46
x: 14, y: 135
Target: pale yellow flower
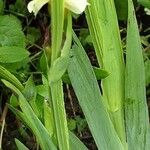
x: 147, y: 11
x: 35, y: 5
x: 76, y: 6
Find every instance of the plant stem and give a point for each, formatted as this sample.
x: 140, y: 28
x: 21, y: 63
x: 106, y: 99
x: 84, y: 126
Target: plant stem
x: 103, y: 26
x: 56, y: 88
x: 60, y: 115
x: 57, y: 23
x: 3, y: 124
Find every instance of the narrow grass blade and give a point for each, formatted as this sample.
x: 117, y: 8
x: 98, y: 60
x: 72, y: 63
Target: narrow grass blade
x: 136, y: 113
x: 48, y: 119
x: 103, y: 25
x: 32, y: 120
x: 5, y: 74
x: 75, y: 143
x: 148, y: 139
x: 59, y: 115
x: 88, y: 93
x: 20, y: 145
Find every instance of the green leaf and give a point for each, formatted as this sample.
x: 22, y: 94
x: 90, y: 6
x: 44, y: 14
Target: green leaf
x: 19, y: 6
x: 48, y: 119
x: 18, y: 68
x: 59, y: 66
x: 65, y: 78
x: 81, y: 123
x: 30, y: 90
x: 145, y: 3
x: 14, y: 101
x: 12, y: 54
x: 147, y: 72
x: 122, y: 9
x: 136, y: 112
x: 11, y: 32
x: 148, y: 139
x: 33, y: 34
x: 58, y: 69
x: 20, y: 145
x: 20, y: 115
x: 104, y: 30
x: 30, y: 93
x: 43, y: 64
x: 32, y: 120
x: 88, y: 93
x: 85, y: 37
x: 75, y: 143
x: 100, y: 73
x: 42, y: 90
x: 5, y: 74
x: 71, y: 124
x: 59, y: 114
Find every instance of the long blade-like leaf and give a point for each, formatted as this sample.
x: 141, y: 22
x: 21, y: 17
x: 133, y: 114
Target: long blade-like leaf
x: 20, y: 145
x: 32, y: 120
x: 87, y: 90
x: 5, y: 74
x: 60, y: 115
x: 75, y: 143
x: 104, y: 30
x: 136, y: 114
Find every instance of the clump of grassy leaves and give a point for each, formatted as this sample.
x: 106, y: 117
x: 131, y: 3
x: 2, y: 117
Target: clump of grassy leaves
x: 117, y: 115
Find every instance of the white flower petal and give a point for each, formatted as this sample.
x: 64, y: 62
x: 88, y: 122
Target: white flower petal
x: 35, y: 5
x: 147, y: 11
x: 76, y: 6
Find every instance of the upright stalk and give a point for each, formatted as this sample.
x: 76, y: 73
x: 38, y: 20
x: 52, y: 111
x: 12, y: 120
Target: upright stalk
x: 103, y: 26
x: 57, y: 23
x: 56, y: 88
x: 59, y: 115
